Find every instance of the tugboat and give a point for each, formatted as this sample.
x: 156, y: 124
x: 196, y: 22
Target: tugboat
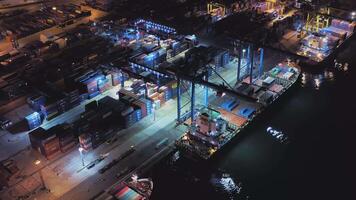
x: 133, y: 189
x: 143, y: 186
x: 279, y: 135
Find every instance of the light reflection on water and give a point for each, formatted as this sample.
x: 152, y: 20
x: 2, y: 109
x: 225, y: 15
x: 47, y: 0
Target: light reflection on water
x: 227, y: 186
x: 317, y: 80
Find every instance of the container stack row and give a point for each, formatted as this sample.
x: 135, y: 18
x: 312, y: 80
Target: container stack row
x: 35, y: 102
x: 151, y: 59
x: 66, y: 137
x: 178, y: 47
x: 221, y: 59
x: 52, y: 142
x: 73, y: 98
x: 46, y: 143
x: 116, y: 78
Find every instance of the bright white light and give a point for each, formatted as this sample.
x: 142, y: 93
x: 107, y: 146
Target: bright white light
x: 37, y: 162
x: 134, y: 177
x: 353, y: 14
x: 317, y: 82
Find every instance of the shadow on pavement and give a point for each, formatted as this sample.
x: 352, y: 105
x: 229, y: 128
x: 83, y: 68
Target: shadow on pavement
x: 19, y: 127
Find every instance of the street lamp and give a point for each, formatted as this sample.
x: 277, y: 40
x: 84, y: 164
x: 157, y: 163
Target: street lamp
x: 37, y: 163
x: 243, y: 53
x: 80, y: 149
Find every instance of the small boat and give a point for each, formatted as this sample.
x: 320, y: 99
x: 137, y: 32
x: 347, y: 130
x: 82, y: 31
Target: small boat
x: 279, y: 135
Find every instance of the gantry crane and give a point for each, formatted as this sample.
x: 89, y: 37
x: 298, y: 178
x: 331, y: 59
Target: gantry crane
x: 317, y: 20
x: 216, y: 9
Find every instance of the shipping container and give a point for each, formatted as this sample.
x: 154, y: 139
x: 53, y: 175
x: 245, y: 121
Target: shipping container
x: 94, y: 94
x: 47, y: 143
x: 36, y: 102
x: 33, y: 120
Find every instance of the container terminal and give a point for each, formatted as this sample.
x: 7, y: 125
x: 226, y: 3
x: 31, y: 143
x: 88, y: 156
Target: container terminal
x: 110, y: 95
x: 311, y: 30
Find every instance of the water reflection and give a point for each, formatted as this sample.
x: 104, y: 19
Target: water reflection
x: 227, y: 186
x: 341, y: 66
x: 316, y: 81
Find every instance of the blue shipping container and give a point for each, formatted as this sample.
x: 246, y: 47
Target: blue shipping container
x: 34, y: 120
x: 92, y: 95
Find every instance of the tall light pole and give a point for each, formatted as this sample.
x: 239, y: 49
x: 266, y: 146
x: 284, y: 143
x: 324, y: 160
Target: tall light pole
x: 37, y: 163
x: 81, y: 155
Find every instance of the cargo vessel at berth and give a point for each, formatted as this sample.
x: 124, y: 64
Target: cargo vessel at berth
x: 226, y: 116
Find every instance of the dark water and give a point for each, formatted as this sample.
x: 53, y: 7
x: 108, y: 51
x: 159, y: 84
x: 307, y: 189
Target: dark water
x: 318, y: 116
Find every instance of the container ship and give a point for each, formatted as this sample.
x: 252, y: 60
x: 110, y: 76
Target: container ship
x: 218, y: 123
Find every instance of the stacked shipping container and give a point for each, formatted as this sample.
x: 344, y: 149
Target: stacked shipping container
x: 36, y: 102
x: 221, y: 59
x: 47, y: 143
x: 33, y: 120
x: 65, y: 135
x: 73, y: 98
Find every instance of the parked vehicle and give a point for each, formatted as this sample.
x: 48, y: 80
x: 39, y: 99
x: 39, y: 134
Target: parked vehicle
x: 5, y: 123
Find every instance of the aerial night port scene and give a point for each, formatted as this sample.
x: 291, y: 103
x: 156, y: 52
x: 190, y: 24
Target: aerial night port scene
x: 177, y: 99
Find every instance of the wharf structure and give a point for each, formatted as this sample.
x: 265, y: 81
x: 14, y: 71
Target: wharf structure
x: 222, y: 110
x: 147, y: 64
x: 311, y: 32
